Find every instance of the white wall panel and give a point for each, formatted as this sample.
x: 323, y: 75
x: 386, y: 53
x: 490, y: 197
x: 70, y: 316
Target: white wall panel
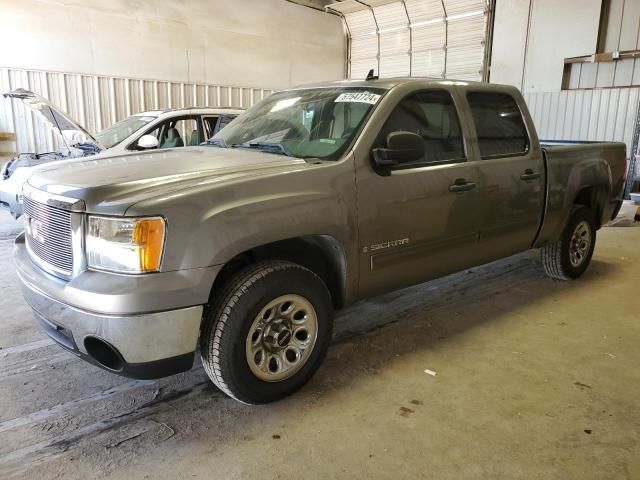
x: 558, y: 30
x: 623, y: 73
x: 588, y: 75
x: 621, y: 32
x: 623, y: 26
x: 529, y: 50
x: 270, y: 43
x: 630, y: 26
x: 605, y: 114
x: 98, y: 101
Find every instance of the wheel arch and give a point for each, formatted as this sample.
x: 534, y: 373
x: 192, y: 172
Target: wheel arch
x: 594, y: 197
x: 324, y: 255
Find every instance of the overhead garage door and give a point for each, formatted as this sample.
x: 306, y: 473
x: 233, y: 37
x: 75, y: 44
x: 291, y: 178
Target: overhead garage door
x: 434, y: 38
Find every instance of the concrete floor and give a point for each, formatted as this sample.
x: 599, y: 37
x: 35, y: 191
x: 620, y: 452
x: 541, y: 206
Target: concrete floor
x: 535, y: 379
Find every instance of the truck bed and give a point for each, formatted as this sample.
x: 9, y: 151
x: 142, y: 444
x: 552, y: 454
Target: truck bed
x: 568, y: 165
x: 613, y: 154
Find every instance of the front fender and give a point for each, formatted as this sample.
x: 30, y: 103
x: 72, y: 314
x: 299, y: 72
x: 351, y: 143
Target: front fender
x: 254, y: 221
x: 212, y: 224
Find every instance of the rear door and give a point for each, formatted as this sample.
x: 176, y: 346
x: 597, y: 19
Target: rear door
x: 418, y: 221
x: 510, y: 174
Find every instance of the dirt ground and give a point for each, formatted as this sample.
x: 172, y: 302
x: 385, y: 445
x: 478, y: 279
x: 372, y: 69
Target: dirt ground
x: 534, y: 379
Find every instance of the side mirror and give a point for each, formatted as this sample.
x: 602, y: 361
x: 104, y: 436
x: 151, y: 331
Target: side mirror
x: 147, y: 141
x: 402, y: 147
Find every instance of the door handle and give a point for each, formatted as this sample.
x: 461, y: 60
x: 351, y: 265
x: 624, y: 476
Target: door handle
x: 529, y: 175
x: 461, y: 185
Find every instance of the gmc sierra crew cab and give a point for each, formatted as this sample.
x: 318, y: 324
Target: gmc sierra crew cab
x: 242, y: 249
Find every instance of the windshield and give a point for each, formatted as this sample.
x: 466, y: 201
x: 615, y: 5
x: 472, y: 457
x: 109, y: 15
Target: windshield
x: 110, y: 137
x: 310, y: 123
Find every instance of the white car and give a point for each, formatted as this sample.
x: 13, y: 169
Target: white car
x: 171, y: 128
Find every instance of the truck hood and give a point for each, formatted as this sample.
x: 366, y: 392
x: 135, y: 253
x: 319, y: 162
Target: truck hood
x: 111, y: 184
x: 71, y: 131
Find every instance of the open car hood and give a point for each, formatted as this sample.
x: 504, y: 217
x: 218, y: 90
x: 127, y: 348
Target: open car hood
x: 71, y: 131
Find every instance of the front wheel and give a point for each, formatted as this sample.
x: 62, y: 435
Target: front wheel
x: 570, y: 256
x: 267, y: 332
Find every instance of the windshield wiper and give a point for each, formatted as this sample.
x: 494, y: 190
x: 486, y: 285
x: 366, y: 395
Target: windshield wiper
x: 216, y: 142
x: 272, y: 147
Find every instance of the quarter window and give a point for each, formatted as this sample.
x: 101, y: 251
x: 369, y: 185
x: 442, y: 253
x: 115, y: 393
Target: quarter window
x: 432, y: 115
x: 499, y: 124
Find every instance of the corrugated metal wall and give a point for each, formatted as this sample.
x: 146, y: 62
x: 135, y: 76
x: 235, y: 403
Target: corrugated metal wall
x: 605, y: 114
x: 433, y: 38
x: 97, y: 102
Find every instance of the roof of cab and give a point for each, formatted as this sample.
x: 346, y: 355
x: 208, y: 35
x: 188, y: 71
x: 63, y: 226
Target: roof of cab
x: 388, y: 83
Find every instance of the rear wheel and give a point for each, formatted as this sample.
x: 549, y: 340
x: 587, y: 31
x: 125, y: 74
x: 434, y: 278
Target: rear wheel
x: 570, y: 256
x: 267, y: 332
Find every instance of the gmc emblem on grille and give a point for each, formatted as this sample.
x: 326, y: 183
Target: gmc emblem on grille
x: 34, y: 229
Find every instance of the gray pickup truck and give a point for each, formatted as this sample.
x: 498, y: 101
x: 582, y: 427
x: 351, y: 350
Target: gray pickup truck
x: 313, y: 199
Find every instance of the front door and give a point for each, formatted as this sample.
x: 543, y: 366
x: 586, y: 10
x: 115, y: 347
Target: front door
x: 418, y: 221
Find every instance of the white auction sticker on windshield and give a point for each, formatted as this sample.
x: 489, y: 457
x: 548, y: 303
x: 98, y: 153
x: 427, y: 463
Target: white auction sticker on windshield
x: 360, y: 97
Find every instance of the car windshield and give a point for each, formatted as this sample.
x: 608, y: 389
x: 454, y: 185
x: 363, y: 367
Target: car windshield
x: 309, y: 123
x: 116, y: 133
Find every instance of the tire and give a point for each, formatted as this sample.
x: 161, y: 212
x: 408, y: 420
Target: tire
x: 250, y: 329
x: 569, y: 257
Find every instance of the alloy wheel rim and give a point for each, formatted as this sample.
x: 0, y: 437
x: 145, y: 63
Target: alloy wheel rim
x: 281, y: 338
x: 580, y: 244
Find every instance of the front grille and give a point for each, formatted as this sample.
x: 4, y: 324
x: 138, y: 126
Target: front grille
x: 48, y: 234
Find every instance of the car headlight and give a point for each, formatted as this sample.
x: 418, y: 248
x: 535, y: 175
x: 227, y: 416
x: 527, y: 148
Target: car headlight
x: 125, y: 245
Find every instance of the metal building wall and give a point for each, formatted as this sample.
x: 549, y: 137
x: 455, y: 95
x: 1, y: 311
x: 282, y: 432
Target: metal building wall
x: 622, y: 33
x: 622, y: 73
x: 97, y: 102
x: 605, y: 114
x: 433, y: 38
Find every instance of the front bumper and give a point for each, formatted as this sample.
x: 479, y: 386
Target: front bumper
x: 129, y: 313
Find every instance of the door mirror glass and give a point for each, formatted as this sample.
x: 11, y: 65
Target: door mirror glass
x: 147, y: 141
x: 402, y: 147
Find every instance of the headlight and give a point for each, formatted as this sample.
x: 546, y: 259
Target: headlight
x: 125, y: 245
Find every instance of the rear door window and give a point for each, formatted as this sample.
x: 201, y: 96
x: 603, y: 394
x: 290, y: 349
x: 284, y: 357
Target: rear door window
x: 499, y: 124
